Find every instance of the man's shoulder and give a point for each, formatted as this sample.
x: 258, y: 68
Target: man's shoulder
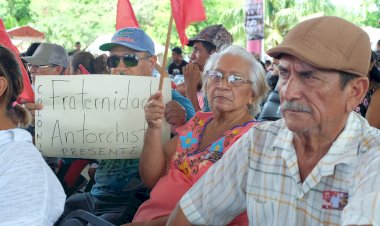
x: 272, y: 127
x: 370, y: 139
x: 366, y: 136
x: 266, y: 133
x: 72, y: 52
x: 184, y: 63
x: 172, y: 64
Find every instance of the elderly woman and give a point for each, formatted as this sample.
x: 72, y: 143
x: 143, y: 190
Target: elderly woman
x: 30, y: 192
x: 235, y: 84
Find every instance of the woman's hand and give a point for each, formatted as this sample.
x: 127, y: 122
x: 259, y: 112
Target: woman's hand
x: 32, y: 108
x: 154, y: 111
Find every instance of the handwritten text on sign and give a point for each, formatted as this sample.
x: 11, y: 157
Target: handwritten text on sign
x: 94, y: 116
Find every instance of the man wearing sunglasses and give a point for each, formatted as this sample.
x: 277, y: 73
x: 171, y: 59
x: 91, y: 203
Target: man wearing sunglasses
x: 118, y: 190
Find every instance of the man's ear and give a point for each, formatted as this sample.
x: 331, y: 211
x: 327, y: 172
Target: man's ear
x: 3, y: 85
x: 356, y: 88
x: 59, y: 69
x: 152, y: 62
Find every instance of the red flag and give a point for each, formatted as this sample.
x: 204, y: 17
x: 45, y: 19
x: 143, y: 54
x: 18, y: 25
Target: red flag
x: 184, y: 13
x: 27, y: 94
x: 83, y: 70
x: 125, y: 17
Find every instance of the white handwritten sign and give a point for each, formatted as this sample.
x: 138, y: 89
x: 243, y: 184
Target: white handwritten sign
x: 94, y: 116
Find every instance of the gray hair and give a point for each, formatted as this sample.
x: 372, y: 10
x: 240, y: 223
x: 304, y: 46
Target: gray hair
x: 256, y: 74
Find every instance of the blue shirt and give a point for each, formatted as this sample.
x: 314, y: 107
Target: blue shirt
x: 186, y: 103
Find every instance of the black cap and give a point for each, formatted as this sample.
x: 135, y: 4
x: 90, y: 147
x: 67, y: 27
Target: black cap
x: 177, y: 50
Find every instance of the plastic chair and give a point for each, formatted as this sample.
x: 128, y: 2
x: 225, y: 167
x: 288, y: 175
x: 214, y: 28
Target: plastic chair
x: 69, y: 174
x: 82, y: 218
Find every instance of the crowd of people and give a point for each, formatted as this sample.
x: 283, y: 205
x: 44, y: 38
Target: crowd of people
x: 317, y: 165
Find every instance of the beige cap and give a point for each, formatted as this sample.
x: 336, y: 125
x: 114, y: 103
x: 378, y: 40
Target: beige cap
x: 329, y: 43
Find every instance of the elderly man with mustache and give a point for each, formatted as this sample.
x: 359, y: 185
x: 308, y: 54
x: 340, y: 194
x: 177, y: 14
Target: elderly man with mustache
x: 281, y: 172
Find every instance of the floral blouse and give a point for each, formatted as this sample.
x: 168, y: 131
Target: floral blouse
x: 188, y: 165
x: 192, y: 161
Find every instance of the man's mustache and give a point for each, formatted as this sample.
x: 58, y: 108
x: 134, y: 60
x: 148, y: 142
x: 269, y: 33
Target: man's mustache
x: 295, y: 106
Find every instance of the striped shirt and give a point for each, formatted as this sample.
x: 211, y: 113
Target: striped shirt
x: 260, y: 173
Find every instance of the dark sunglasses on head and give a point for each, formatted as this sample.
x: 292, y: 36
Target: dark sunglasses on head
x: 129, y: 60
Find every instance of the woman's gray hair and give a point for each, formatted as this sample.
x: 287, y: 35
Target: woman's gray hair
x: 256, y: 74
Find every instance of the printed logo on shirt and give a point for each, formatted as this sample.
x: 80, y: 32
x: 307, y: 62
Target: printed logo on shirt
x: 335, y: 200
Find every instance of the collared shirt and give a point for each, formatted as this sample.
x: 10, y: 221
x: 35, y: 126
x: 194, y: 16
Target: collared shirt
x: 260, y: 173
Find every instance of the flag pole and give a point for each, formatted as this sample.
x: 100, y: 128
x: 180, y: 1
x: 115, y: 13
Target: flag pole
x: 166, y: 52
x: 163, y: 74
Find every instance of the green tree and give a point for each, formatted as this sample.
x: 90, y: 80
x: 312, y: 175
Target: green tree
x: 282, y: 15
x: 20, y: 10
x: 15, y: 12
x: 65, y: 22
x: 153, y: 17
x: 370, y: 13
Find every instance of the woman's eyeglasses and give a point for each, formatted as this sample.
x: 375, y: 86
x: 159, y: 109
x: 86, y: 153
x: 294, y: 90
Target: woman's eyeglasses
x: 217, y: 76
x: 129, y: 60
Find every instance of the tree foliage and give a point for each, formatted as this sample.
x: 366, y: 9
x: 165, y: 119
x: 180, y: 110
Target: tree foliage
x: 371, y: 13
x: 15, y: 12
x: 153, y: 17
x: 282, y: 15
x: 67, y: 21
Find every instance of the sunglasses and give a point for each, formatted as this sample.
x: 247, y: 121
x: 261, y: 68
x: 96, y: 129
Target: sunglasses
x: 129, y: 60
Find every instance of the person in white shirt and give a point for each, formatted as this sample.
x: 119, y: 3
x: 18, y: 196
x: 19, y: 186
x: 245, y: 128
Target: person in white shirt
x: 30, y: 193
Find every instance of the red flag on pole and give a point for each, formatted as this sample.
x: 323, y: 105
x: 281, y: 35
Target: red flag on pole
x: 184, y: 13
x: 125, y: 17
x: 27, y: 94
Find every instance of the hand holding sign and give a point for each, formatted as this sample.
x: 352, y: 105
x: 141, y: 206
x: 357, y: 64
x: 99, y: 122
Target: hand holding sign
x: 97, y: 116
x: 154, y: 111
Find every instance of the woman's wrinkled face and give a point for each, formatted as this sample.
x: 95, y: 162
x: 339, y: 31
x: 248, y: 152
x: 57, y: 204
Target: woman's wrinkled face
x: 225, y: 96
